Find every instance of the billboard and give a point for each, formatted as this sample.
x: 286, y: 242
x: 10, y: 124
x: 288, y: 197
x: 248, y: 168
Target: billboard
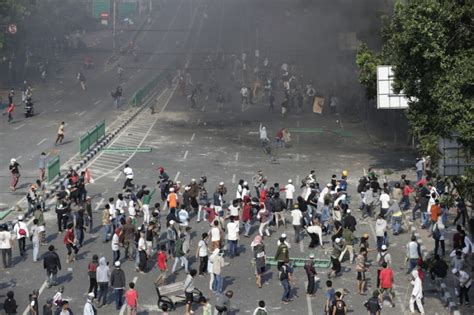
x: 386, y: 97
x: 454, y: 159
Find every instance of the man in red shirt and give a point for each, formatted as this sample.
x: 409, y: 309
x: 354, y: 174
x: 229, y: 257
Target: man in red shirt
x: 131, y: 296
x: 386, y: 284
x: 407, y: 190
x: 161, y: 262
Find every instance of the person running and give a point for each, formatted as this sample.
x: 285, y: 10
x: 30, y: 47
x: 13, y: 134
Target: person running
x: 92, y: 273
x: 60, y: 134
x: 82, y: 80
x: 128, y: 177
x: 14, y: 168
x: 10, y: 109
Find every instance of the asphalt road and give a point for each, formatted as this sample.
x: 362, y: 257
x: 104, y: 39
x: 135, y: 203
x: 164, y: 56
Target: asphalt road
x: 221, y: 145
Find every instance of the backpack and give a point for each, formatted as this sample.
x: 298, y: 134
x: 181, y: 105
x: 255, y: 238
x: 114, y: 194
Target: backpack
x: 22, y: 232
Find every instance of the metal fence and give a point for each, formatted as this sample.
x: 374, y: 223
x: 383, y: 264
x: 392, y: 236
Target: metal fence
x: 91, y: 137
x: 53, y: 169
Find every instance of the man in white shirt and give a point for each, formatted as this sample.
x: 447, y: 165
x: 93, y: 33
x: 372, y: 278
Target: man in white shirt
x: 6, y: 243
x: 128, y: 177
x: 416, y: 293
x: 232, y: 236
x: 289, y: 194
x: 420, y: 165
x: 384, y: 202
x: 183, y: 217
x: 120, y: 204
x: 297, y: 217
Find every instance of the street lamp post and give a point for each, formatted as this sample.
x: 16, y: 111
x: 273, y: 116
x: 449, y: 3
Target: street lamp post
x: 114, y: 17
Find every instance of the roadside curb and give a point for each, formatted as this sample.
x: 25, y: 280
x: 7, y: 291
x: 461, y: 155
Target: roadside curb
x: 443, y: 290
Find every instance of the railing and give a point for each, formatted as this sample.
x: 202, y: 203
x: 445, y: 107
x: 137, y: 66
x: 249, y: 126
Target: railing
x: 91, y: 137
x: 53, y: 169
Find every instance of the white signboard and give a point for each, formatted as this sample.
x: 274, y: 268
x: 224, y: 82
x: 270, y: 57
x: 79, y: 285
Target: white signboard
x: 454, y: 159
x: 386, y: 97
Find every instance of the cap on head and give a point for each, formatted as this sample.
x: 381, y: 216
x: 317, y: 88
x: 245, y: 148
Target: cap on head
x: 172, y: 189
x: 348, y: 211
x: 365, y: 235
x: 311, y: 256
x: 172, y: 222
x: 384, y: 247
x: 283, y: 235
x: 20, y: 218
x: 338, y: 240
x: 90, y: 295
x: 328, y: 185
x: 454, y: 271
x: 117, y: 263
x: 221, y: 184
x: 290, y: 181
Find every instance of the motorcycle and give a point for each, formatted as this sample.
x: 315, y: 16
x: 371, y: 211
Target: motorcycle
x: 29, y: 110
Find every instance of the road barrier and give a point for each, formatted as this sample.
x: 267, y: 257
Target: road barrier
x: 138, y: 96
x: 299, y: 262
x: 91, y: 137
x: 53, y: 168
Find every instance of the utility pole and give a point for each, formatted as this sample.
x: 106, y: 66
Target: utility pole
x: 114, y: 17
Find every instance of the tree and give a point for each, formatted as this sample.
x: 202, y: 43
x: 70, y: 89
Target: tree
x: 429, y: 43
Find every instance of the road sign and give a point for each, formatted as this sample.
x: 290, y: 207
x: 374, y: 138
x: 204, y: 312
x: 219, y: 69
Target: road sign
x: 12, y: 28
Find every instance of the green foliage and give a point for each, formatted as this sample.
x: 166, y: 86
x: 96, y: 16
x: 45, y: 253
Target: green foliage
x: 430, y: 45
x: 367, y: 62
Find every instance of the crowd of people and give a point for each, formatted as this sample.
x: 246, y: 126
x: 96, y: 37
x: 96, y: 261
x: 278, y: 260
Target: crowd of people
x: 159, y: 234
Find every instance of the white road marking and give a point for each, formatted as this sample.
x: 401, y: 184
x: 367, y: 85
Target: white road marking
x: 117, y: 177
x: 297, y: 157
x: 298, y: 123
x: 41, y: 113
x: 301, y: 246
x: 185, y: 155
x: 97, y: 102
x: 39, y: 143
x: 308, y: 301
x: 233, y: 179
x: 43, y: 286
x: 20, y: 126
x: 19, y: 157
x: 298, y: 139
x: 56, y: 110
x: 237, y: 156
x: 199, y: 121
x: 124, y: 306
x: 203, y: 107
x: 192, y: 137
x: 82, y: 113
x: 176, y: 176
x: 58, y: 102
x: 97, y: 206
x: 297, y: 179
